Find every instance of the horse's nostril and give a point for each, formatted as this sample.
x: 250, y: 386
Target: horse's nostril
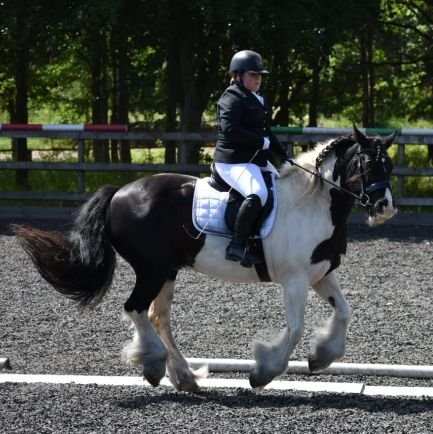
x: 381, y: 205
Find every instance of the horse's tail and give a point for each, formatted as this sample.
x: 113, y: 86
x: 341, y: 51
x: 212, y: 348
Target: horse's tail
x: 79, y: 265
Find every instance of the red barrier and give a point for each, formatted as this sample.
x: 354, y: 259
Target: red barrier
x: 21, y: 127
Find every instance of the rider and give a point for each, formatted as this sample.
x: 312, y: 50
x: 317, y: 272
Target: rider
x: 243, y: 145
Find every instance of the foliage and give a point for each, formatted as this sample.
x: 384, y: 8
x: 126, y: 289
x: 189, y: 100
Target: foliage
x: 164, y: 62
x: 196, y: 39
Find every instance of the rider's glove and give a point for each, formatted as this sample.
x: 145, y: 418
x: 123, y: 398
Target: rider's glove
x: 289, y: 158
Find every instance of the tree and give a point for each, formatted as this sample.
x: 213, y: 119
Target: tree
x: 120, y: 65
x: 410, y: 22
x: 166, y: 61
x: 30, y: 35
x: 195, y: 43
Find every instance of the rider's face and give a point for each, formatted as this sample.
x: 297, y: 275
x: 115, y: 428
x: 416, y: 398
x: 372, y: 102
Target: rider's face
x: 252, y: 81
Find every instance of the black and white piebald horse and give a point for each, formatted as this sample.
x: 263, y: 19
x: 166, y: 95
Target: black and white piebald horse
x: 149, y: 223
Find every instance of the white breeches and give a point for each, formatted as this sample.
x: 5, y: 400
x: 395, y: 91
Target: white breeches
x: 246, y: 178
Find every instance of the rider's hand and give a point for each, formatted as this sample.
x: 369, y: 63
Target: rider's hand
x: 289, y: 159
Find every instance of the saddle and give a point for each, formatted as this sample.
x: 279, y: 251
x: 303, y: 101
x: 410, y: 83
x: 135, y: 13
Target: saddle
x: 235, y: 200
x: 215, y: 207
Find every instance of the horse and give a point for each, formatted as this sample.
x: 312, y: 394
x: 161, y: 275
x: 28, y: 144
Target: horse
x: 149, y: 223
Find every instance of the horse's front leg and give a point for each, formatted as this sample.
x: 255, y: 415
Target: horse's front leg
x: 272, y: 358
x: 330, y: 341
x: 181, y: 376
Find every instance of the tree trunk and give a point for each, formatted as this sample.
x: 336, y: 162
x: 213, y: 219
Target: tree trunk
x: 190, y: 114
x: 283, y: 115
x: 99, y: 94
x: 368, y: 79
x: 428, y: 66
x: 19, y: 146
x: 190, y: 107
x: 198, y: 51
x: 314, y: 97
x: 172, y: 102
x: 120, y: 94
x: 123, y: 97
x: 114, y: 144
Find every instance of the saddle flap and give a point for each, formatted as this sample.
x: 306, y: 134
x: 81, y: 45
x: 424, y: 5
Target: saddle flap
x: 210, y: 212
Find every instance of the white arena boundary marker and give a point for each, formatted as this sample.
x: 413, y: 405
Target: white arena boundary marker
x: 225, y: 383
x: 235, y: 365
x: 238, y: 365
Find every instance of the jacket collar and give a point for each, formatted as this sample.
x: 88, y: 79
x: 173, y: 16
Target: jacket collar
x: 247, y: 92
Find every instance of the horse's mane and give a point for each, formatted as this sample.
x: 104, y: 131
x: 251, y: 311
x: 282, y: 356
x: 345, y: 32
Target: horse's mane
x: 312, y: 160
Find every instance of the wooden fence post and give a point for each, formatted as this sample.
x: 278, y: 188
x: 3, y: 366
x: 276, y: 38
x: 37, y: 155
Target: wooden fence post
x: 81, y: 173
x: 401, y: 163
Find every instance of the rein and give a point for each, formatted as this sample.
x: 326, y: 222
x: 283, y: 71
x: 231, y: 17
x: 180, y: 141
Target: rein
x: 364, y: 198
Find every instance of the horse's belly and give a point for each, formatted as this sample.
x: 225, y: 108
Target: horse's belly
x: 211, y: 261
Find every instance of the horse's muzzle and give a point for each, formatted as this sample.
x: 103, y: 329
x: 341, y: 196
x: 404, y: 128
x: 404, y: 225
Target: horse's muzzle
x: 382, y: 210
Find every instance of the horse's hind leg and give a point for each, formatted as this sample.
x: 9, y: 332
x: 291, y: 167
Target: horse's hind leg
x: 146, y: 348
x: 178, y: 370
x: 330, y: 340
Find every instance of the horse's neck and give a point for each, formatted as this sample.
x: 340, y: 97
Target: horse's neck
x: 299, y: 180
x: 340, y: 202
x: 298, y: 186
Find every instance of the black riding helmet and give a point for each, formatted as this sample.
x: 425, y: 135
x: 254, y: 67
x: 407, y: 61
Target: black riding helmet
x: 247, y: 60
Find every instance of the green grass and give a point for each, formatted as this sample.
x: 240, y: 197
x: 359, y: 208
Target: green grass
x: 415, y: 156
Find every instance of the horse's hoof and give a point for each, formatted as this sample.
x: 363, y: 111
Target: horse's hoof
x: 154, y: 376
x: 259, y: 390
x: 182, y: 377
x: 152, y: 381
x: 257, y: 381
x: 314, y: 365
x: 183, y: 381
x: 188, y: 387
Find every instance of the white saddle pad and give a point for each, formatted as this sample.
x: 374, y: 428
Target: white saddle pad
x: 209, y: 207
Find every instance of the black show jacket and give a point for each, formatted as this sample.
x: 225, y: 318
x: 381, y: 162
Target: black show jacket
x: 242, y: 123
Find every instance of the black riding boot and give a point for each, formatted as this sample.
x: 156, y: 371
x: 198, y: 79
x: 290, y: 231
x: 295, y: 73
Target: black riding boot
x: 245, y: 220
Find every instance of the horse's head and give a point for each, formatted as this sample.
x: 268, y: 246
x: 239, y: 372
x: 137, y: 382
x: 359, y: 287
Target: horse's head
x: 368, y: 175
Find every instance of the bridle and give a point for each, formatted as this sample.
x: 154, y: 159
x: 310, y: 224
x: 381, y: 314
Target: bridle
x: 366, y: 190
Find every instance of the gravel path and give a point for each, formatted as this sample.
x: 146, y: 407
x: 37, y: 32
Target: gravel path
x: 386, y: 275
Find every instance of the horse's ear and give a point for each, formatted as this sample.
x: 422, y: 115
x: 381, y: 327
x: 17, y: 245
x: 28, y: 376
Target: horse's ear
x: 359, y: 137
x: 388, y: 141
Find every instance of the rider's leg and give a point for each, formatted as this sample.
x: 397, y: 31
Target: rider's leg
x: 247, y: 179
x: 245, y: 221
